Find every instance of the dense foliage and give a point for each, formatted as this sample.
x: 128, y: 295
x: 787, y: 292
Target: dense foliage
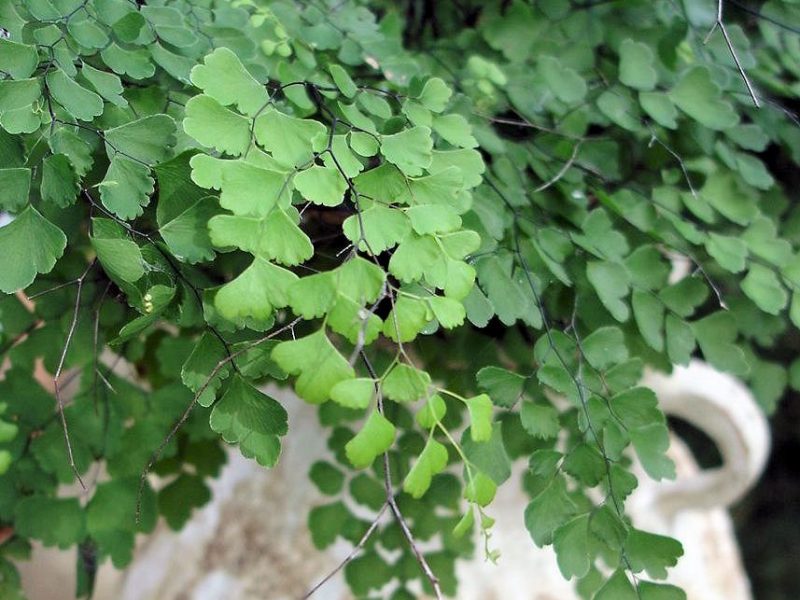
x: 219, y: 194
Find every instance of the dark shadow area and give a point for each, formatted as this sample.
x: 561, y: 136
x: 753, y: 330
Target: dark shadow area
x: 703, y: 448
x: 768, y: 519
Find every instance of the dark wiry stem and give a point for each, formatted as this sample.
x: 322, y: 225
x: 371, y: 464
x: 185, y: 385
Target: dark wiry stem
x: 59, y: 369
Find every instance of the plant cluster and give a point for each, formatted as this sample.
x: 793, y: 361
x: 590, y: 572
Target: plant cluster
x: 430, y: 217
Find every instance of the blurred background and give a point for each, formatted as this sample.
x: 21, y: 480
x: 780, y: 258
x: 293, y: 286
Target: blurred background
x: 768, y: 519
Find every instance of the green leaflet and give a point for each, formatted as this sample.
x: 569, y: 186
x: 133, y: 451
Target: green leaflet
x: 75, y: 148
x: 407, y: 319
x: 250, y: 418
x: 247, y: 189
x: 106, y: 84
x: 147, y: 140
x: 763, y: 286
x: 435, y: 94
x: 312, y: 296
x: 342, y: 294
x: 256, y: 292
x: 506, y: 293
x: 378, y: 228
x: 480, y: 489
x: 177, y: 499
x: 342, y: 158
x: 432, y: 218
x: 618, y: 106
x: 480, y: 416
x: 129, y: 27
x: 651, y: 443
x: 317, y: 363
x: 652, y: 553
x: 360, y: 279
x: 176, y: 65
x: 126, y: 188
x: 16, y: 185
x: 442, y: 189
x: 111, y: 517
x: 571, y: 543
x: 605, y: 347
x: 405, y: 383
x: 728, y: 251
x: 683, y: 297
x: 541, y: 421
x: 354, y: 393
x: 680, y: 340
x: 489, y: 456
x: 30, y: 244
x: 326, y: 477
x: 586, y: 464
x: 610, y: 281
x: 375, y: 104
x: 648, y: 312
x: 438, y: 260
x: 275, y: 237
x: 325, y: 523
x: 566, y: 84
x: 660, y: 108
x: 215, y: 126
x: 183, y: 211
x: 18, y: 60
x: 204, y: 369
x: 455, y: 130
x: 723, y: 192
x: 343, y: 80
x: 291, y: 141
x: 223, y: 77
x: 699, y: 97
x: 660, y: 591
x: 18, y: 94
x: 432, y: 413
x: 549, y: 510
x: 375, y: 438
x: 762, y: 240
x: 716, y: 335
x: 417, y: 114
x: 367, y: 572
x: 134, y: 63
x: 410, y: 150
x: 431, y: 461
x: 120, y: 257
x: 450, y: 313
x: 636, y: 65
x: 504, y: 387
x: 617, y: 587
x: 59, y: 180
x: 56, y: 522
x: 83, y: 104
x: 321, y: 185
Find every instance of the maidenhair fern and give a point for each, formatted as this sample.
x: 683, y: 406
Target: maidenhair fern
x: 430, y: 224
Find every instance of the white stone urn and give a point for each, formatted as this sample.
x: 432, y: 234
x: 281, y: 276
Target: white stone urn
x: 250, y: 542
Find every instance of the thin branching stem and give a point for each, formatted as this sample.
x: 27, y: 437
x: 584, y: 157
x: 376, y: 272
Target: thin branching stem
x: 353, y: 553
x: 188, y: 410
x: 57, y: 375
x: 720, y: 24
x: 390, y: 500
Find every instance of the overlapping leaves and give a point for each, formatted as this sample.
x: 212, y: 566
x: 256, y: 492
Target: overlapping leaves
x: 229, y: 169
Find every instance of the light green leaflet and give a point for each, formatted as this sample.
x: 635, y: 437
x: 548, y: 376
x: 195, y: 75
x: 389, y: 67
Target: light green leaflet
x: 317, y: 362
x: 223, y: 77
